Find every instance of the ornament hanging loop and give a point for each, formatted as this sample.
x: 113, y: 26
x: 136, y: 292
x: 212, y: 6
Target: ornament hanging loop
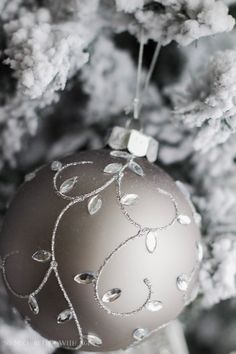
x: 149, y: 74
x: 133, y: 139
x: 141, y: 94
x: 136, y: 102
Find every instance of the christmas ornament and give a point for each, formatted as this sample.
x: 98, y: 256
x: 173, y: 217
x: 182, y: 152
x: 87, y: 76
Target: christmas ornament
x: 101, y: 249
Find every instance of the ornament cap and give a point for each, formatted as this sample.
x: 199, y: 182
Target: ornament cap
x: 136, y: 142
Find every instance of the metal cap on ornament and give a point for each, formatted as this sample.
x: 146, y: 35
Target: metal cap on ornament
x: 135, y: 141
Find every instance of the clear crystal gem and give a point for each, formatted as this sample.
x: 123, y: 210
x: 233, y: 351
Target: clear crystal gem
x: 140, y: 333
x: 111, y: 295
x: 94, y: 204
x: 182, y: 282
x: 56, y: 165
x: 68, y: 185
x: 33, y: 304
x: 184, y: 219
x: 154, y: 305
x: 41, y: 256
x: 199, y: 251
x: 136, y: 168
x: 64, y: 316
x: 85, y: 278
x: 113, y: 168
x: 151, y: 241
x: 121, y: 154
x: 129, y: 199
x: 30, y: 176
x: 93, y: 340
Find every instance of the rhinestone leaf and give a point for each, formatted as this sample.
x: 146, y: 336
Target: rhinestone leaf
x: 93, y: 340
x: 85, y: 278
x: 111, y: 295
x: 151, y: 241
x: 136, y: 168
x: 33, y: 304
x: 184, y: 219
x: 121, y: 154
x: 129, y: 199
x: 64, y: 316
x: 94, y: 204
x: 30, y: 176
x: 154, y: 306
x: 41, y: 256
x: 68, y: 185
x: 182, y: 282
x: 140, y: 333
x: 199, y: 251
x: 56, y: 165
x: 113, y: 168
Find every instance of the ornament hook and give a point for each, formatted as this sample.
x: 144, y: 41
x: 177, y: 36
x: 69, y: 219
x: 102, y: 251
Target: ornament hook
x: 140, y: 95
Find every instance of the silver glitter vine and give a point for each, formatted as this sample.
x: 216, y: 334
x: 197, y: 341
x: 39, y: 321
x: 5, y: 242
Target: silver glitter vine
x: 116, y: 172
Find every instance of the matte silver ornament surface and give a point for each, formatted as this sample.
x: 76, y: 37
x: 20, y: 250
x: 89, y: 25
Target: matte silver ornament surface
x: 107, y: 247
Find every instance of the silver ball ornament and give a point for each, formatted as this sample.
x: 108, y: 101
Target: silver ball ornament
x: 99, y: 250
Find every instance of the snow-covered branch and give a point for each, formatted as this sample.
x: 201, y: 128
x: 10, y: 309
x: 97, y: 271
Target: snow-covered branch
x: 43, y: 55
x: 185, y: 21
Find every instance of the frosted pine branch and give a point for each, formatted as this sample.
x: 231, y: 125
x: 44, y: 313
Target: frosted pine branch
x: 185, y: 21
x: 216, y: 166
x: 129, y: 6
x: 217, y: 277
x: 43, y: 55
x: 109, y: 79
x: 15, y: 340
x: 207, y: 103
